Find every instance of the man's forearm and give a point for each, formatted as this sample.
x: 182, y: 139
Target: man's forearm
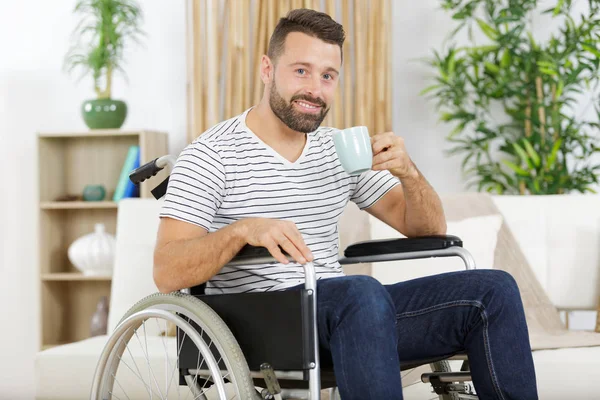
x: 185, y: 263
x: 424, y: 214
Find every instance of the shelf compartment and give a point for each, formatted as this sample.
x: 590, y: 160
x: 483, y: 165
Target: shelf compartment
x: 68, y: 308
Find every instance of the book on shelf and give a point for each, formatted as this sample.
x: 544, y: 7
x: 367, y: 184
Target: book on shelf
x: 126, y: 188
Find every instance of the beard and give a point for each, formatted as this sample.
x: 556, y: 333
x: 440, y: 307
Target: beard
x: 292, y: 118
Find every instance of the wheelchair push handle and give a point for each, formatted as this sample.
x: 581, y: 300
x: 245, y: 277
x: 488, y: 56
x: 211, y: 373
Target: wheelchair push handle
x: 150, y: 169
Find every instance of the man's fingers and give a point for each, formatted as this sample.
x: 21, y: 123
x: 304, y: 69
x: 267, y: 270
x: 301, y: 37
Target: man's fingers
x: 291, y: 249
x: 296, y: 237
x: 276, y: 252
x: 385, y: 156
x: 381, y: 144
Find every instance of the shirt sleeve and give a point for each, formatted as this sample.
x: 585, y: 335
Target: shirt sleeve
x: 196, y: 186
x: 370, y: 186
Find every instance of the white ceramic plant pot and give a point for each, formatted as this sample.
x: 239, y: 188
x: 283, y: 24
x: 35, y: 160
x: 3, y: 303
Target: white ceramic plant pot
x: 94, y: 253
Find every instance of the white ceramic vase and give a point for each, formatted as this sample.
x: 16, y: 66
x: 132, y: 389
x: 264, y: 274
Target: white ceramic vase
x: 94, y: 253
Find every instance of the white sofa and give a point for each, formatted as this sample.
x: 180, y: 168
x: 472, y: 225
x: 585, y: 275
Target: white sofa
x: 65, y: 372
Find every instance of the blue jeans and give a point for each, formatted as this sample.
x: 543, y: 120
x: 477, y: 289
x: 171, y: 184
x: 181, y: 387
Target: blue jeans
x: 368, y: 328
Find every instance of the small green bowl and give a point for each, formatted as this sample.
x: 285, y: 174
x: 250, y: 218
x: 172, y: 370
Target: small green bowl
x: 94, y: 193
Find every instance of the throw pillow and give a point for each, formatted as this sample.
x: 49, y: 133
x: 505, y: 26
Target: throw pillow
x: 479, y: 236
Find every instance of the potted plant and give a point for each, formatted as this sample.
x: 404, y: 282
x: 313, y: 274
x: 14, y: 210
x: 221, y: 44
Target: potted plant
x: 520, y: 126
x: 101, y: 36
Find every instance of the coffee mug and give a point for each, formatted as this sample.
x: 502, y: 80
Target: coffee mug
x: 353, y: 146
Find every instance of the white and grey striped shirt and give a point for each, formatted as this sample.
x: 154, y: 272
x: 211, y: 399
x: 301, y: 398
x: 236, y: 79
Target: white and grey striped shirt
x: 228, y: 173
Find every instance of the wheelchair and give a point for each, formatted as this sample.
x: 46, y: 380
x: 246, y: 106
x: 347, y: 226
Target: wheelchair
x: 249, y: 346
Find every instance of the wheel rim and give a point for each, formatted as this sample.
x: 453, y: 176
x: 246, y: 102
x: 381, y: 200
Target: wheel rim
x: 125, y: 346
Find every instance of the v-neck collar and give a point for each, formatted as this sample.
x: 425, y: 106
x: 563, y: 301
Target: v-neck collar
x: 271, y: 150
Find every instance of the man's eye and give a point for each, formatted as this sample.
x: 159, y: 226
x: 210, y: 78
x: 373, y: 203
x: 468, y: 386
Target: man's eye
x: 328, y: 76
x: 301, y: 71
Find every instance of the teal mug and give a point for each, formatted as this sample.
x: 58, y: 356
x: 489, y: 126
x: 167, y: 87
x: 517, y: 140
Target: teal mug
x: 353, y: 146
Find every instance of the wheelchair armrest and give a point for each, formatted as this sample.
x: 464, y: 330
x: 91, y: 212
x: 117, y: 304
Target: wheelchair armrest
x: 407, y: 249
x: 402, y: 245
x: 255, y: 255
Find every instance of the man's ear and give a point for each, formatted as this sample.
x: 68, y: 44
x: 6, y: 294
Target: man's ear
x: 267, y: 69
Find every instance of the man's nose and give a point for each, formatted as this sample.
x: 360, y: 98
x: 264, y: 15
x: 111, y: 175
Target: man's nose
x: 314, y: 87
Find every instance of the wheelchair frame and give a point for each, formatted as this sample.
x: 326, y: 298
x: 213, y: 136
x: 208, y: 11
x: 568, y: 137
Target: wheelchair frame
x: 310, y: 286
x: 401, y: 249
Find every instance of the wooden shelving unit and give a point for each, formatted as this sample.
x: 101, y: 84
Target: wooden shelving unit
x: 67, y: 162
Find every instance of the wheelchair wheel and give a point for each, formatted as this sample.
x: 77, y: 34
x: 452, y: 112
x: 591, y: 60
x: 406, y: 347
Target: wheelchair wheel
x: 140, y: 360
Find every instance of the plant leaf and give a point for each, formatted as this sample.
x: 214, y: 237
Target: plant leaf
x: 535, y: 157
x: 554, y: 153
x: 487, y: 30
x: 523, y: 155
x: 520, y: 171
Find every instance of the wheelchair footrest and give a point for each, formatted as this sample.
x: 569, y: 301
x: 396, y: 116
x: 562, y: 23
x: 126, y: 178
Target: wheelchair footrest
x: 446, y: 377
x: 446, y: 382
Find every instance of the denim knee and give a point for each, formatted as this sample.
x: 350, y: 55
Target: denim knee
x: 502, y: 286
x: 366, y: 296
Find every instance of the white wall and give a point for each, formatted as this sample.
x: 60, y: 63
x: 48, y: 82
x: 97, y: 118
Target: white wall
x: 417, y: 28
x: 36, y: 96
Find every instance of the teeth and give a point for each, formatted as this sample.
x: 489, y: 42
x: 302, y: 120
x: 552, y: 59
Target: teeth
x: 307, y: 105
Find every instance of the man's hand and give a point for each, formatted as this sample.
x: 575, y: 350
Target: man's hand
x: 272, y: 233
x: 389, y: 153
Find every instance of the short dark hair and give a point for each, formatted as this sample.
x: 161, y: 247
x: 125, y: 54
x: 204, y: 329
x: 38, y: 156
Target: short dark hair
x: 309, y: 22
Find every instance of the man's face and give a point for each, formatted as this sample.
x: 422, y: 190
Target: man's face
x: 304, y: 81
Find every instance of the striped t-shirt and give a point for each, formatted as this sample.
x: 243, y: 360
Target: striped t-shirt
x: 228, y: 173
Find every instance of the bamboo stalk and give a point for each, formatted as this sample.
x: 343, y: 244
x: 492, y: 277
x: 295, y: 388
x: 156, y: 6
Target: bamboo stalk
x: 246, y: 56
x: 522, y: 189
x: 541, y: 109
x: 388, y: 69
x: 229, y: 83
x: 260, y: 50
x: 272, y: 19
x: 238, y: 67
x: 198, y: 43
x: 255, y: 59
x: 347, y: 75
x: 371, y: 66
x: 359, y: 61
x: 221, y: 9
x: 284, y: 7
x: 555, y: 120
x: 211, y: 53
x: 333, y: 118
x: 380, y: 119
x: 528, y: 118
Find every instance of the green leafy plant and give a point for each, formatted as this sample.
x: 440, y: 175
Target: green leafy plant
x: 518, y: 122
x: 101, y: 36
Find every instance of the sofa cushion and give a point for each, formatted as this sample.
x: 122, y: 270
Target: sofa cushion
x: 567, y: 373
x: 137, y: 227
x: 479, y: 236
x: 559, y: 235
x: 66, y: 372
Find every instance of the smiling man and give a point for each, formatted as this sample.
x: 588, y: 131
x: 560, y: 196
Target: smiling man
x: 270, y: 177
